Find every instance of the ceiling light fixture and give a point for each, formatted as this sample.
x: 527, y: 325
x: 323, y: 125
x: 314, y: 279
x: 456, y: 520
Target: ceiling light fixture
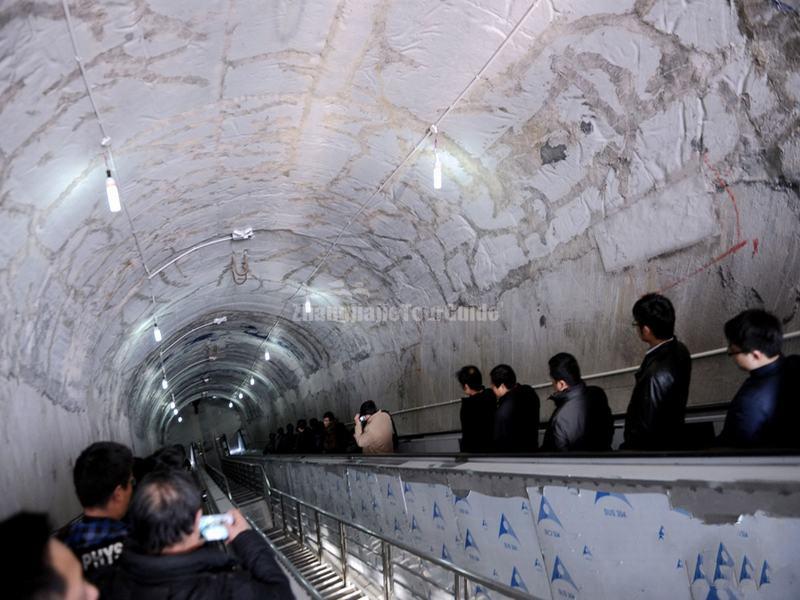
x: 266, y: 354
x: 180, y: 419
x: 252, y: 381
x: 230, y: 404
x: 112, y: 193
x: 175, y: 411
x: 156, y: 331
x: 164, y: 383
x: 241, y: 395
x: 307, y: 305
x: 437, y: 163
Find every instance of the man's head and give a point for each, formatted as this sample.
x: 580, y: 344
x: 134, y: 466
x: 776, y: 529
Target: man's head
x: 654, y: 317
x: 103, y: 477
x: 328, y: 419
x: 301, y: 425
x: 755, y: 338
x: 289, y: 429
x: 40, y: 567
x: 470, y: 379
x: 165, y: 513
x: 564, y: 371
x: 503, y: 380
x: 367, y: 408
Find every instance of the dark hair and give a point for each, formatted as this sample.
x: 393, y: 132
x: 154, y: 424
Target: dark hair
x: 755, y: 329
x: 564, y: 367
x: 30, y: 572
x: 100, y: 468
x: 302, y: 423
x: 163, y: 509
x: 280, y: 431
x: 656, y: 312
x: 367, y: 408
x: 169, y: 457
x: 471, y: 377
x: 503, y: 374
x: 329, y: 415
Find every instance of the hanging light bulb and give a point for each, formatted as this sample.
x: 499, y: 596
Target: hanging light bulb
x: 252, y: 381
x: 230, y: 404
x: 112, y: 193
x: 437, y: 173
x: 164, y: 383
x: 241, y: 395
x: 180, y: 419
x: 266, y: 354
x: 156, y: 332
x: 175, y: 411
x: 172, y: 405
x: 307, y: 305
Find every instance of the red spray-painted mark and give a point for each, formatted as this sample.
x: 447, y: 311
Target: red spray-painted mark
x: 721, y: 183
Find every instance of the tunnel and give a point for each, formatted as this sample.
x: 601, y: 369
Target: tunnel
x: 221, y: 217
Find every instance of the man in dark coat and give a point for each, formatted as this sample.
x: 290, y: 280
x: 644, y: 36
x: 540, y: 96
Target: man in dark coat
x: 654, y: 419
x: 336, y: 437
x: 582, y: 419
x: 477, y: 411
x: 103, y: 477
x: 166, y: 556
x: 516, y: 422
x: 767, y: 401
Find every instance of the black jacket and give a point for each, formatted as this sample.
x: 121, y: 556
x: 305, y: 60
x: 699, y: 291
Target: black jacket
x: 477, y: 421
x: 582, y: 421
x: 516, y: 422
x: 204, y: 574
x: 762, y: 406
x: 654, y: 419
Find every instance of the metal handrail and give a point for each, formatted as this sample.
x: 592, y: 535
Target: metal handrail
x: 224, y: 478
x: 600, y: 375
x: 487, y: 583
x: 286, y: 563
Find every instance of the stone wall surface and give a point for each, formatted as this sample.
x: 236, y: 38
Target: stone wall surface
x: 607, y: 149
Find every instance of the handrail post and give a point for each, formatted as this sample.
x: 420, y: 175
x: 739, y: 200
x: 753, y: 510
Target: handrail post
x: 456, y: 586
x: 319, y: 533
x: 386, y: 554
x: 283, y: 516
x: 299, y: 523
x: 343, y: 551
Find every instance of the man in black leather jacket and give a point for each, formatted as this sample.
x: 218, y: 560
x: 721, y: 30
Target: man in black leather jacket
x: 167, y: 558
x: 764, y: 410
x: 654, y: 419
x: 516, y: 422
x: 477, y: 411
x: 582, y: 419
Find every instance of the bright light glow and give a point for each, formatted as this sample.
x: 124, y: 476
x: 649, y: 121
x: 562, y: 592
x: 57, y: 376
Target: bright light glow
x: 172, y: 405
x: 175, y: 412
x: 252, y: 381
x: 307, y: 305
x: 437, y: 173
x: 156, y: 332
x: 112, y: 193
x: 164, y: 384
x: 266, y: 354
x: 230, y: 404
x: 180, y: 419
x: 241, y: 395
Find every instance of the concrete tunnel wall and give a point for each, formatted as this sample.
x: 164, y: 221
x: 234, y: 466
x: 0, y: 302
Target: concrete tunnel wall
x: 607, y: 149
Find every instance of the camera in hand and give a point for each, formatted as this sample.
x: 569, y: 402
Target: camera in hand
x: 213, y: 527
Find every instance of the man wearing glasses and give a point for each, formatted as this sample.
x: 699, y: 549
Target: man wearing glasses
x: 654, y: 419
x: 104, y: 485
x: 761, y: 411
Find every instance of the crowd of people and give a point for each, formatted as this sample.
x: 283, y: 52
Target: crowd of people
x: 374, y: 432
x: 143, y: 540
x: 505, y: 417
x: 136, y: 538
